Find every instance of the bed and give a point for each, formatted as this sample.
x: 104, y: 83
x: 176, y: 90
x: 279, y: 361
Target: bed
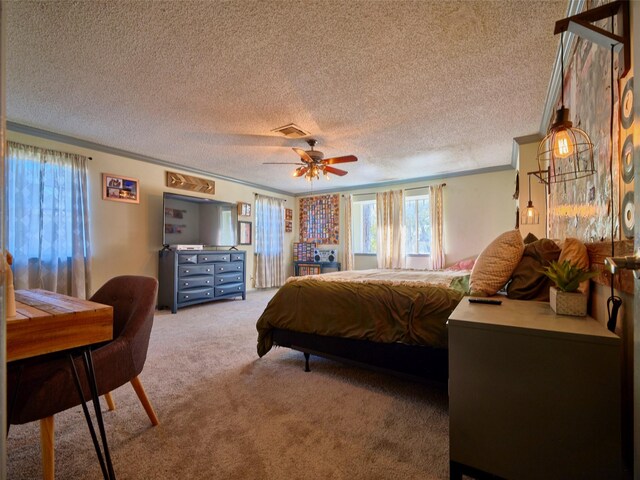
x: 393, y: 320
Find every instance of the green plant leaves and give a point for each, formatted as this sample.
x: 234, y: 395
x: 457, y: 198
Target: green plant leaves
x: 566, y: 276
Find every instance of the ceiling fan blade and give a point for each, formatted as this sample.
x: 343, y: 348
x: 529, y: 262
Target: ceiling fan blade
x: 300, y: 171
x: 335, y: 171
x: 282, y: 163
x: 345, y: 159
x: 303, y: 155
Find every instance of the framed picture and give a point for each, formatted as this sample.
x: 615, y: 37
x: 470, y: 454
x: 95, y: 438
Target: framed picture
x: 288, y: 214
x: 288, y: 226
x: 244, y: 233
x: 244, y: 209
x: 120, y: 189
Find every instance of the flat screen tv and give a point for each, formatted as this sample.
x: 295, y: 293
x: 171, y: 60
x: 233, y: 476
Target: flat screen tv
x: 199, y: 221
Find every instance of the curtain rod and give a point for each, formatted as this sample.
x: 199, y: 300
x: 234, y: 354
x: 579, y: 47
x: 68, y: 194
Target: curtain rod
x: 405, y: 189
x: 275, y: 198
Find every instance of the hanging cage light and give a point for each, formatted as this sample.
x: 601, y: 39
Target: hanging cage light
x: 566, y: 153
x: 530, y: 215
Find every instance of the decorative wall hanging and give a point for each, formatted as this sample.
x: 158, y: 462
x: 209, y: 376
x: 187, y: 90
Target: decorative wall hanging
x: 627, y: 186
x: 288, y: 220
x: 188, y: 182
x: 320, y: 219
x: 244, y: 233
x: 120, y: 189
x: 244, y: 209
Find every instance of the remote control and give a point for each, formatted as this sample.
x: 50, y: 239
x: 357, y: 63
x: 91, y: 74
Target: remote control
x: 488, y: 301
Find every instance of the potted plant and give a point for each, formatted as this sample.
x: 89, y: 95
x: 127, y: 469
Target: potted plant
x: 564, y: 297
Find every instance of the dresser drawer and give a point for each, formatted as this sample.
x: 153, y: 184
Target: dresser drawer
x: 195, y: 294
x: 186, y: 271
x: 230, y: 267
x: 213, y: 257
x: 232, y: 277
x: 230, y: 288
x: 195, y: 281
x: 187, y: 258
x: 237, y: 257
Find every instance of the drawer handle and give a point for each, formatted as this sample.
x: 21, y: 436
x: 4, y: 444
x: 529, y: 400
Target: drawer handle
x: 207, y: 281
x: 186, y: 271
x: 221, y: 269
x: 208, y: 269
x: 208, y: 293
x: 221, y: 291
x: 186, y: 296
x: 205, y: 259
x: 186, y: 284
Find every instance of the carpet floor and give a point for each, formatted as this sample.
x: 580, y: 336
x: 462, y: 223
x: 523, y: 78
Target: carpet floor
x: 227, y: 414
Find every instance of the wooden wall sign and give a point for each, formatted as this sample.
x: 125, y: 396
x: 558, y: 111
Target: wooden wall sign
x: 188, y: 182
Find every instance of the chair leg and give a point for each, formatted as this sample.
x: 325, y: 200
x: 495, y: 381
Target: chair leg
x: 137, y: 386
x: 110, y: 403
x: 47, y: 445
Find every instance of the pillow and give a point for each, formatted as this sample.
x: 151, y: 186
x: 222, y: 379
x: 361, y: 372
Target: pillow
x: 576, y: 253
x: 527, y: 281
x: 496, y: 263
x: 530, y: 238
x: 466, y: 264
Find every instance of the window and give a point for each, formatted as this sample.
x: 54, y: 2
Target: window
x: 365, y: 232
x: 417, y: 221
x: 417, y: 225
x: 48, y: 219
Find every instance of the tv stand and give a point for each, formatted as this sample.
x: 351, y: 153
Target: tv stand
x: 189, y: 277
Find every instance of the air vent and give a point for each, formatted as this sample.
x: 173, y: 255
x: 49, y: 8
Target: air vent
x: 291, y: 131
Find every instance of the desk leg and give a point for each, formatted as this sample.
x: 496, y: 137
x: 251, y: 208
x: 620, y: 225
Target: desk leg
x: 87, y: 416
x: 88, y: 360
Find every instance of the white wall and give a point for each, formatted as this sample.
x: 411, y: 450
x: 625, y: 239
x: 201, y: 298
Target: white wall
x: 126, y: 237
x: 477, y: 208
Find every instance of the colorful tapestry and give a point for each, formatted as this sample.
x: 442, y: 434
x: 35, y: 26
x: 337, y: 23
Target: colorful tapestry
x: 320, y: 219
x: 582, y: 208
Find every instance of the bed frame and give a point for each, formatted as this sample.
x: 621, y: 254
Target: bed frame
x: 416, y: 362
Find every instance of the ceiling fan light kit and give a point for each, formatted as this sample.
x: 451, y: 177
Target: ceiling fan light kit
x: 313, y: 163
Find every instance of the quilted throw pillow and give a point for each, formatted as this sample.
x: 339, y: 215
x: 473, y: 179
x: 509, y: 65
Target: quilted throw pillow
x: 496, y: 263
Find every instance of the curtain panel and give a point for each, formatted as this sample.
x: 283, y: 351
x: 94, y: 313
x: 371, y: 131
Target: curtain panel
x: 390, y: 211
x: 269, y: 269
x: 47, y: 221
x: 437, y: 232
x: 347, y: 249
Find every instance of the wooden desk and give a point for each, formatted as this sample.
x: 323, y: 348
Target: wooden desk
x: 49, y: 322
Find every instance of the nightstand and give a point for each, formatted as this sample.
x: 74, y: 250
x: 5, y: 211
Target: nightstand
x: 532, y: 395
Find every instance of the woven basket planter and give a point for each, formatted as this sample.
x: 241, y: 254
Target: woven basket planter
x: 568, y: 303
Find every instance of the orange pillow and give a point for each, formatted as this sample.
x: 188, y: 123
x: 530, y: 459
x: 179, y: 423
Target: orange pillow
x: 576, y: 253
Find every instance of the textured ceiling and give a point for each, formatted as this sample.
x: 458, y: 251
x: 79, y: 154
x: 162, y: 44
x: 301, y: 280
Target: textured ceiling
x: 413, y: 89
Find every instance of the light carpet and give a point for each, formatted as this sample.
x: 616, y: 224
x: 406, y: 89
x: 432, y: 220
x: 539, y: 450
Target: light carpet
x: 227, y: 414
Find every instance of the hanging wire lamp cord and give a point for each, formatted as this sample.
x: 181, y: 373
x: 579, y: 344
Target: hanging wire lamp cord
x: 614, y: 302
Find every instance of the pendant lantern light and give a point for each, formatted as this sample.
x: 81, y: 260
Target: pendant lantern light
x: 566, y: 153
x: 530, y: 215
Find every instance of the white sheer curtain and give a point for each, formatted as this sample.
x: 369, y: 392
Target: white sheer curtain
x: 269, y: 255
x: 437, y: 245
x: 390, y: 211
x: 47, y: 220
x: 347, y: 248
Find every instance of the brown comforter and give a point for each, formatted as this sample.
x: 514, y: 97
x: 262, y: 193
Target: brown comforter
x: 382, y: 311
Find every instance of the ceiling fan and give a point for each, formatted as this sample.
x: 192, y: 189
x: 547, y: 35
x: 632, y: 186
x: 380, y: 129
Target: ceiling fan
x: 312, y: 163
